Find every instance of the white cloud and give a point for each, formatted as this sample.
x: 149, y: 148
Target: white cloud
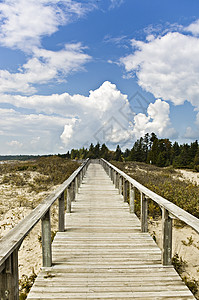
x: 24, y: 23
x: 68, y: 121
x: 157, y: 120
x: 193, y: 28
x: 192, y: 134
x: 15, y: 144
x: 36, y: 133
x: 167, y: 66
x: 68, y: 132
x: 62, y: 122
x: 43, y: 67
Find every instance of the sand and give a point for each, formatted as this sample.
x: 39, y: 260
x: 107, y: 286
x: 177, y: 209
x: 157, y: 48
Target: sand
x: 17, y: 202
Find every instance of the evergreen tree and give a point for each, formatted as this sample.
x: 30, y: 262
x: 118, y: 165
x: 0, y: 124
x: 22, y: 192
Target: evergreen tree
x: 104, y: 152
x: 118, y: 154
x: 91, y: 153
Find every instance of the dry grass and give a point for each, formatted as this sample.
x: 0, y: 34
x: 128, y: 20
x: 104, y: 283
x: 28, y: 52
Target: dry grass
x: 23, y: 185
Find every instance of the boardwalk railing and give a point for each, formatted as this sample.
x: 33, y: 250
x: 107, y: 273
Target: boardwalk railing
x: 170, y: 211
x: 10, y: 244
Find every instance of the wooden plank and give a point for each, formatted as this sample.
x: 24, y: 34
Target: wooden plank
x: 162, y: 202
x: 14, y: 238
x: 103, y: 254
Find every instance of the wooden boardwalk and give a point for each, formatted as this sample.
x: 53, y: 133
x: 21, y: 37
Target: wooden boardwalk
x: 102, y: 254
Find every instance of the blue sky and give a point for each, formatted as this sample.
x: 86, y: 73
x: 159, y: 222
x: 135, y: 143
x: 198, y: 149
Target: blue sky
x: 76, y: 72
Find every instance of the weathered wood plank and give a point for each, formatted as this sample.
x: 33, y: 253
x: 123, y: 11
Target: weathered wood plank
x: 103, y: 254
x: 14, y: 238
x: 176, y: 211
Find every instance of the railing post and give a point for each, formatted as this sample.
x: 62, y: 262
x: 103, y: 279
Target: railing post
x: 82, y: 175
x: 112, y: 175
x: 46, y: 240
x: 116, y: 180
x: 78, y: 180
x: 125, y: 189
x: 9, y: 278
x: 73, y: 191
x: 120, y: 185
x: 68, y: 199
x: 76, y: 185
x: 61, y: 212
x: 167, y: 238
x: 144, y: 213
x: 131, y: 198
x: 109, y: 172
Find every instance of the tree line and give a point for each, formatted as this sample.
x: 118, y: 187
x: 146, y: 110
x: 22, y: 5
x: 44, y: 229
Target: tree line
x: 149, y: 149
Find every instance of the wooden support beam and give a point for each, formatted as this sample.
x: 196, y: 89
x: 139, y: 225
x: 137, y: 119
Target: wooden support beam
x: 131, y: 198
x: 61, y: 212
x: 68, y: 204
x: 125, y: 190
x: 76, y: 185
x: 144, y: 213
x: 120, y: 185
x: 109, y: 172
x: 9, y: 278
x: 73, y: 191
x: 46, y: 240
x: 112, y: 175
x: 116, y: 180
x: 167, y: 238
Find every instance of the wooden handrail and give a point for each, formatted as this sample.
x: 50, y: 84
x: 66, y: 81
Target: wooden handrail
x: 169, y: 210
x: 173, y: 209
x: 11, y: 242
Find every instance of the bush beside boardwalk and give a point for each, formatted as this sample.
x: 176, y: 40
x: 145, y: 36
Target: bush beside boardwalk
x: 23, y: 185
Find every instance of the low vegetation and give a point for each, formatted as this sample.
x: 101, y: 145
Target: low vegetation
x: 23, y: 185
x: 166, y: 183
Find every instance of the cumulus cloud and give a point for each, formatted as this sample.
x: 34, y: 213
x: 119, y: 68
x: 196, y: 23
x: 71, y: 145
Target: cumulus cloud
x: 68, y: 121
x: 24, y: 23
x: 65, y: 121
x: 34, y: 133
x: 193, y: 28
x: 68, y: 132
x: 156, y: 120
x: 191, y: 133
x: 167, y: 67
x: 43, y: 67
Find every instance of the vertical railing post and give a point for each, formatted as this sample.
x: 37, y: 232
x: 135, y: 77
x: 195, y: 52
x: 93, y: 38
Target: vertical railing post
x: 78, y: 180
x: 167, y: 238
x: 9, y: 278
x: 131, y: 198
x: 125, y: 189
x: 76, y: 185
x: 110, y: 173
x: 68, y: 205
x: 120, y: 184
x: 82, y: 175
x: 61, y: 212
x: 144, y: 213
x: 46, y: 240
x: 117, y: 180
x: 73, y: 191
x: 113, y: 176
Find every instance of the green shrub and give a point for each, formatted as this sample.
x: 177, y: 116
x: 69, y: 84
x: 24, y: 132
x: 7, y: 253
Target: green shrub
x: 25, y: 284
x: 163, y: 182
x: 179, y: 264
